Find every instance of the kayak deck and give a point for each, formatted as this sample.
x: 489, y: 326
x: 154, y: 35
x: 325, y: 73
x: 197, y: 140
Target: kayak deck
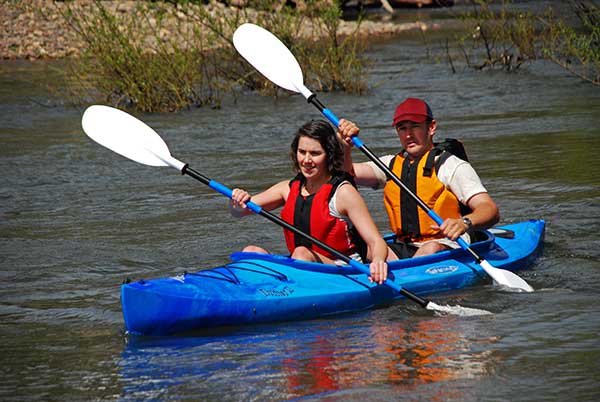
x: 255, y: 288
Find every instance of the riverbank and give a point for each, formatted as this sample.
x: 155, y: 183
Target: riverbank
x: 36, y: 29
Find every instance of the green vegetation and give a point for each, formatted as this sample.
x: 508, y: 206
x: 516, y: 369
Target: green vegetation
x: 496, y: 38
x: 500, y: 36
x: 338, y: 63
x: 172, y: 55
x: 165, y: 56
x: 576, y: 49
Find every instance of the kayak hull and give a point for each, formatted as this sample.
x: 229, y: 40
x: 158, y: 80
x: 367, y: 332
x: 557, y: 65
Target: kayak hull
x: 257, y: 288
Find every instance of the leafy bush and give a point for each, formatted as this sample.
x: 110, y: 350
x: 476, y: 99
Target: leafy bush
x: 505, y: 38
x: 497, y: 38
x: 165, y: 57
x: 576, y: 49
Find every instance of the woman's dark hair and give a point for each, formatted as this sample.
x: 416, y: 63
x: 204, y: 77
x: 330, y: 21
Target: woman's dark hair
x: 321, y: 131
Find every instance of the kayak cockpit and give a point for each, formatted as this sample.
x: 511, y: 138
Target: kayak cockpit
x: 484, y: 242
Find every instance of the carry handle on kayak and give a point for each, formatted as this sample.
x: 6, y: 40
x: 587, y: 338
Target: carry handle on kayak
x: 265, y: 52
x: 133, y: 139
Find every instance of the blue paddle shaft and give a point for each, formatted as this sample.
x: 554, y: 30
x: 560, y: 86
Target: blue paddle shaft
x: 336, y: 122
x: 436, y: 218
x: 332, y: 117
x: 227, y: 192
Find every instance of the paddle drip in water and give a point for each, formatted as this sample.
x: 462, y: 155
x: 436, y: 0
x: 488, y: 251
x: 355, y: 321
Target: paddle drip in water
x: 457, y: 310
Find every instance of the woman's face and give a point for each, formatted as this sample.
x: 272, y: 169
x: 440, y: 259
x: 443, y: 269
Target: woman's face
x: 311, y: 158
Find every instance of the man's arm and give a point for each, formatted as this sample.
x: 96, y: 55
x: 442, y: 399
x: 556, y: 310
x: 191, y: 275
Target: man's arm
x: 365, y: 173
x: 484, y: 213
x: 460, y: 177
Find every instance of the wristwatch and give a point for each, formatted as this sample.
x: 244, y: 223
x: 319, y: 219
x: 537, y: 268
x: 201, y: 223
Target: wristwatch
x: 467, y: 222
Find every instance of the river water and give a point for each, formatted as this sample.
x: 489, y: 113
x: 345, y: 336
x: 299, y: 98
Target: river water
x: 76, y: 220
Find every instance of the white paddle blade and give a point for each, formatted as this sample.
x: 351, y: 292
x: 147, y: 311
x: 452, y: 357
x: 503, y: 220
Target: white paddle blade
x: 127, y: 136
x: 265, y: 52
x: 506, y: 278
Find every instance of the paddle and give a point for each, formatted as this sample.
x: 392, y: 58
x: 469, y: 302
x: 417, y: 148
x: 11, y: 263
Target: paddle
x: 273, y: 59
x: 133, y: 139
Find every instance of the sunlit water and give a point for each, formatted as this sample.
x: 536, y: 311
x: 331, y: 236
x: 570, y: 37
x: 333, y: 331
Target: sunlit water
x: 76, y: 220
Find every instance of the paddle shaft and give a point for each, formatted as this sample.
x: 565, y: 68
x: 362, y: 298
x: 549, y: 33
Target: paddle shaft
x: 390, y: 175
x: 273, y: 218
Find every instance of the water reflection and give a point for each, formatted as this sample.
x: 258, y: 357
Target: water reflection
x: 314, y: 374
x: 304, y: 359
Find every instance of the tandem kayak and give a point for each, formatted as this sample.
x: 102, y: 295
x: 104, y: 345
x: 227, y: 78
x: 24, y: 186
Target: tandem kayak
x: 257, y: 288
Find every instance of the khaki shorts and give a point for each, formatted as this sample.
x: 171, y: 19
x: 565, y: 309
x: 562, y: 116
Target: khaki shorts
x: 407, y: 250
x: 355, y: 257
x: 445, y: 241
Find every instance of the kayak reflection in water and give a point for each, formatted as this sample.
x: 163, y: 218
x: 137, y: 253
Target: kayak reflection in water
x: 322, y: 201
x: 406, y: 354
x: 436, y: 174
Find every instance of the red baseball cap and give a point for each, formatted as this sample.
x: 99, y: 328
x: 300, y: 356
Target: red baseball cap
x: 412, y: 109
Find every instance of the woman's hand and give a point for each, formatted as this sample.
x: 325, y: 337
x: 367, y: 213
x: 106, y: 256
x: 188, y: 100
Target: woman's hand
x: 379, y: 271
x: 237, y: 204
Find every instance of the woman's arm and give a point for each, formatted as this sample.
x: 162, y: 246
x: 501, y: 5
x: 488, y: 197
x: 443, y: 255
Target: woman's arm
x: 350, y: 203
x: 272, y: 198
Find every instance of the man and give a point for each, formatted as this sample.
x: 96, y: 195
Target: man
x: 442, y: 181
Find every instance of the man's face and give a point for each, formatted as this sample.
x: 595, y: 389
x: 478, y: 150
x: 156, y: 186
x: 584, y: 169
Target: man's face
x: 416, y: 138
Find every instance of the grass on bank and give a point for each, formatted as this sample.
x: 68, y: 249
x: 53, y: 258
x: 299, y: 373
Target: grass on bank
x: 167, y: 56
x: 162, y: 56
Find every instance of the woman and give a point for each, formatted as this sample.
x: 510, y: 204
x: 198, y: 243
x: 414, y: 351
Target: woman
x: 320, y: 201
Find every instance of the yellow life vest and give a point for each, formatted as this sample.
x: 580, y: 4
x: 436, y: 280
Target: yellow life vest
x: 410, y: 222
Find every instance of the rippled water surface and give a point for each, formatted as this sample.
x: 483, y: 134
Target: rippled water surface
x: 76, y: 220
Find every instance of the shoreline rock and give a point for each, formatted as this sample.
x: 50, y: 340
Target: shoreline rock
x: 36, y: 29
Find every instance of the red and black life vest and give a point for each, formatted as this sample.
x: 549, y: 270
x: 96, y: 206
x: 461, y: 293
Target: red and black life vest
x: 311, y: 215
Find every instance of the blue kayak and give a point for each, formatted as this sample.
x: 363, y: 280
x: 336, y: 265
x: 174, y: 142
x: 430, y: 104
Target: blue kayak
x: 256, y: 288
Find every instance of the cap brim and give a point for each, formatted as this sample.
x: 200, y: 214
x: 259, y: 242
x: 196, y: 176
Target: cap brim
x: 415, y: 118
